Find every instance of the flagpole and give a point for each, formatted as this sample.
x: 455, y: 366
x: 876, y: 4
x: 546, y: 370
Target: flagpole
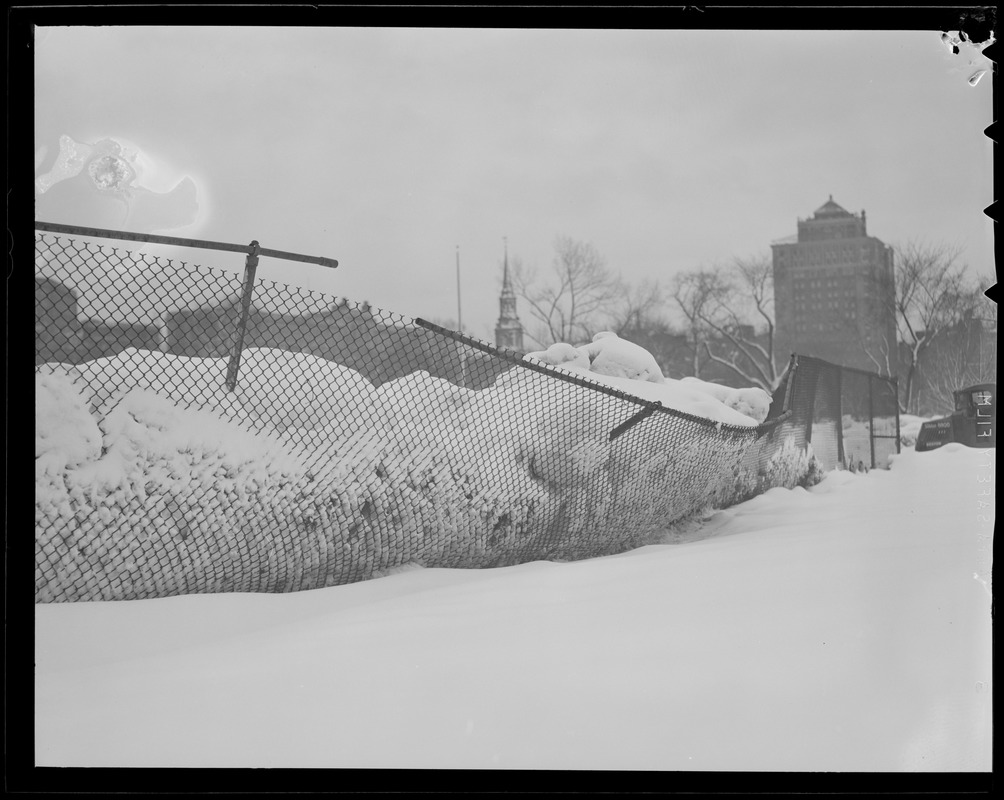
x: 460, y: 326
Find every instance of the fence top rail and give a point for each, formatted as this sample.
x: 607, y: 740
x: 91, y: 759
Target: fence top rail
x: 886, y: 378
x: 249, y: 249
x: 538, y: 366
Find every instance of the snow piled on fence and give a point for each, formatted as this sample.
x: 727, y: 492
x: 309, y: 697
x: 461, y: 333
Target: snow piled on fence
x: 844, y: 628
x: 626, y: 366
x: 154, y: 479
x: 65, y: 433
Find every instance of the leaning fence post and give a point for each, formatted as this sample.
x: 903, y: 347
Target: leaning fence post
x: 629, y: 423
x: 250, y: 266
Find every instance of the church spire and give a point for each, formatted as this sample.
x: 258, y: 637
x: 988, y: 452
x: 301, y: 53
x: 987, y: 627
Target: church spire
x: 507, y: 290
x: 509, y: 330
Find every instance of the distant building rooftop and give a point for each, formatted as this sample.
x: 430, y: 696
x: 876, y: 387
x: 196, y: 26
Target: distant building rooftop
x: 831, y: 209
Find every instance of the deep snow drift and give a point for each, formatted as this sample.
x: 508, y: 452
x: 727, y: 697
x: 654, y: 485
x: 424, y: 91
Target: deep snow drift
x: 843, y: 628
x: 153, y: 479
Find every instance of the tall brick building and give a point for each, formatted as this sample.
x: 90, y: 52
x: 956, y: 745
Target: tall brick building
x: 834, y: 290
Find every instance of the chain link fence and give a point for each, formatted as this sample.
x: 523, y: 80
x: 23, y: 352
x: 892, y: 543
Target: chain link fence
x: 199, y: 431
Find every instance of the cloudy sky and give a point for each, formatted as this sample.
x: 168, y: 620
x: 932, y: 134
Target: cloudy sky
x: 389, y: 148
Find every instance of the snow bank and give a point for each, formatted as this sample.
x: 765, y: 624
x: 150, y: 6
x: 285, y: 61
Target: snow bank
x: 153, y: 499
x: 189, y: 382
x: 283, y: 390
x: 65, y: 433
x: 155, y: 479
x: 173, y: 500
x: 423, y: 410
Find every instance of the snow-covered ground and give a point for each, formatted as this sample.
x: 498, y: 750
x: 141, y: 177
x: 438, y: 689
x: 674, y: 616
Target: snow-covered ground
x: 845, y: 627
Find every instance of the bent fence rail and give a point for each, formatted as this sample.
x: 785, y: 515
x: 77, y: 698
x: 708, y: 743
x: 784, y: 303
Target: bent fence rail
x: 349, y: 442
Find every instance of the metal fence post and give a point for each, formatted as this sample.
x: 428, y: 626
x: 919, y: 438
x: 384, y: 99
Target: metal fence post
x: 871, y: 420
x: 841, y: 456
x: 250, y: 267
x: 895, y: 392
x: 810, y: 417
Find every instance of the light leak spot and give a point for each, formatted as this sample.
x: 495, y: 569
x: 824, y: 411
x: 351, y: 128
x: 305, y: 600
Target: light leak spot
x: 113, y: 184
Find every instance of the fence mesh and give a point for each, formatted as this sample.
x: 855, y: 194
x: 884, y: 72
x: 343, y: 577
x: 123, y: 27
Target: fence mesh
x: 353, y: 440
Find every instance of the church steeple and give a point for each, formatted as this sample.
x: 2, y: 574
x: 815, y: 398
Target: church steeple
x: 507, y: 292
x: 509, y: 330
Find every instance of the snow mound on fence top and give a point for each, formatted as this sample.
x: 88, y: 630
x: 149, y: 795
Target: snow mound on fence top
x: 626, y: 366
x: 562, y: 354
x: 678, y: 395
x: 66, y: 435
x: 608, y: 354
x: 753, y: 402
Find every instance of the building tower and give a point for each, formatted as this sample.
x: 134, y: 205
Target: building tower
x: 834, y: 291
x: 508, y: 330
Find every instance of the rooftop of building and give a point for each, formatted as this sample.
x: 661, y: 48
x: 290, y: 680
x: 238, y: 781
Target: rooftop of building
x: 830, y: 210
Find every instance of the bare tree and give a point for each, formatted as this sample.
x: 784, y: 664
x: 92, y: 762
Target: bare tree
x: 695, y: 294
x: 577, y: 299
x: 964, y: 355
x: 934, y: 294
x: 744, y: 318
x: 730, y: 316
x: 639, y: 307
x: 640, y: 317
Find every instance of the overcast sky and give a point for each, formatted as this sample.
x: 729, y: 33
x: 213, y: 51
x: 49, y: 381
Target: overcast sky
x: 387, y: 148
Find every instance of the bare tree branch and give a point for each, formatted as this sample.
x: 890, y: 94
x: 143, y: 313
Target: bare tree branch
x: 575, y: 303
x: 639, y: 307
x: 933, y: 294
x: 721, y: 306
x: 695, y: 293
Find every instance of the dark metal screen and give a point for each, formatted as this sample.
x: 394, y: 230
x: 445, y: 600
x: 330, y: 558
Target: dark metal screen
x: 832, y: 417
x: 200, y: 431
x: 849, y: 417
